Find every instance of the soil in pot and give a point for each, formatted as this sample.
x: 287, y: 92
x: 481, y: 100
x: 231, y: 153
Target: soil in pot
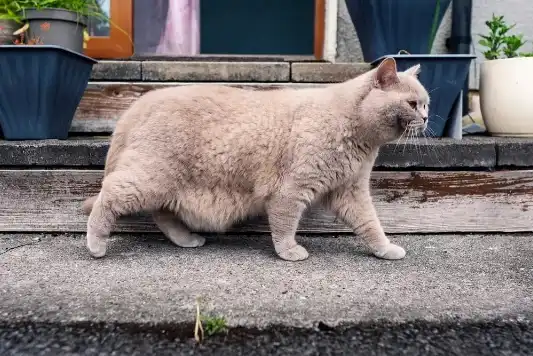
x: 56, y: 27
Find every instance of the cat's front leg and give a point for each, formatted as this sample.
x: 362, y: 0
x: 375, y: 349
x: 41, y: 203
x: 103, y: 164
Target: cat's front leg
x: 284, y: 213
x: 353, y: 204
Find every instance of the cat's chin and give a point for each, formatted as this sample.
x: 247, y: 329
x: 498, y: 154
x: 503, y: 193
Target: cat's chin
x: 415, y: 129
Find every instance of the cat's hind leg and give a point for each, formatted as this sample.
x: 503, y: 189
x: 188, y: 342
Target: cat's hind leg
x: 176, y: 232
x: 122, y: 193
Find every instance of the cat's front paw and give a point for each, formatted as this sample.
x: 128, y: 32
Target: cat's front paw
x: 296, y: 253
x: 390, y: 252
x: 96, y: 246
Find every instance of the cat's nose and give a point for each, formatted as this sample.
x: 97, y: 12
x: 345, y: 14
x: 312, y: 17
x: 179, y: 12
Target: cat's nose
x: 425, y: 119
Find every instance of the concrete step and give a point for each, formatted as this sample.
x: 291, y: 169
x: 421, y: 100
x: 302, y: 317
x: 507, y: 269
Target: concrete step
x: 145, y: 280
x: 115, y: 85
x: 104, y: 102
x: 476, y: 193
x: 470, y: 153
x: 226, y: 71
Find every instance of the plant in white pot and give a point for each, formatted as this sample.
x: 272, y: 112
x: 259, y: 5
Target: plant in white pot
x: 505, y: 82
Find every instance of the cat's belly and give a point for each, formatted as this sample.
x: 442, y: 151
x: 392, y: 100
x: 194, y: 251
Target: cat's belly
x: 217, y: 212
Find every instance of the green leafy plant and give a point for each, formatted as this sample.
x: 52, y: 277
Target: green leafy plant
x: 499, y: 42
x: 14, y: 10
x: 90, y: 8
x: 208, y: 324
x: 434, y: 26
x: 214, y: 324
x: 9, y: 11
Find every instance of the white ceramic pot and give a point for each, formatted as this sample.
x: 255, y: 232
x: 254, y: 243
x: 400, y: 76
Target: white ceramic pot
x: 506, y: 97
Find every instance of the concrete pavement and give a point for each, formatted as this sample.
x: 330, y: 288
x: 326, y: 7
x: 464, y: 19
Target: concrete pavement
x: 147, y: 280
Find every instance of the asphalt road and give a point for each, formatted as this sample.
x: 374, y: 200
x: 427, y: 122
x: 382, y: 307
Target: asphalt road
x: 416, y: 338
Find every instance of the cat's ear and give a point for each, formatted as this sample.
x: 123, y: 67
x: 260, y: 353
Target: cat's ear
x: 386, y: 74
x: 414, y: 70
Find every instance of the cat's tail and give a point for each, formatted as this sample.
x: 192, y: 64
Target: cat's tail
x: 87, y: 205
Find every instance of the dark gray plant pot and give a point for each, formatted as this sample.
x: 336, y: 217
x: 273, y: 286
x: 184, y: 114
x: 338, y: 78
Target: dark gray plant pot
x: 56, y: 27
x: 387, y: 26
x: 7, y: 27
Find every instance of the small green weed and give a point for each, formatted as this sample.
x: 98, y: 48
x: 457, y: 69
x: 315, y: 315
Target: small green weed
x: 208, y: 324
x: 214, y: 325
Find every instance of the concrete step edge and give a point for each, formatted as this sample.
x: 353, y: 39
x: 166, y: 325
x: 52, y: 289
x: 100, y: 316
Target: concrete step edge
x: 469, y: 153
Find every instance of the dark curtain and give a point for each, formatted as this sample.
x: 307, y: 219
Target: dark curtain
x: 149, y: 21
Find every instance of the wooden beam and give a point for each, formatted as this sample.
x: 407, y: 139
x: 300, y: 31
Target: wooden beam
x: 103, y: 103
x: 407, y: 202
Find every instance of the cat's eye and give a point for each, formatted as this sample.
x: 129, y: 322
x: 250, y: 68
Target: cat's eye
x: 413, y: 104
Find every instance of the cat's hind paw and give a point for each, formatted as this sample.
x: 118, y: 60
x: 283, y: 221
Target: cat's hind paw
x: 390, y: 252
x: 190, y: 241
x: 295, y: 253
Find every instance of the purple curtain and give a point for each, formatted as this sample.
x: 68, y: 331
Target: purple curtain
x: 167, y: 27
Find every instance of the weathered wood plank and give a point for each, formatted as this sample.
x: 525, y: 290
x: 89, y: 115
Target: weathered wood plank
x: 103, y: 103
x: 407, y: 202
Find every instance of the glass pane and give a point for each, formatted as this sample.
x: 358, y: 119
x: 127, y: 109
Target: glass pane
x: 168, y: 28
x: 99, y: 27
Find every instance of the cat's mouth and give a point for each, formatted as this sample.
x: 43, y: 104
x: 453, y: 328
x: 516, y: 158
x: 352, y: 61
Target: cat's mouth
x: 417, y: 126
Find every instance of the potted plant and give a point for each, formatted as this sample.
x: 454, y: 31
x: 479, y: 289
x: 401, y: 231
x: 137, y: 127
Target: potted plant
x: 55, y: 22
x: 505, y: 82
x: 40, y: 89
x: 10, y: 21
x: 387, y: 26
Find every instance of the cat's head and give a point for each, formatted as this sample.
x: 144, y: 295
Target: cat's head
x: 397, y: 100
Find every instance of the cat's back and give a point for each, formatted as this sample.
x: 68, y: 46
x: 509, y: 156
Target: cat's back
x: 203, y: 104
x: 238, y: 132
x: 210, y: 117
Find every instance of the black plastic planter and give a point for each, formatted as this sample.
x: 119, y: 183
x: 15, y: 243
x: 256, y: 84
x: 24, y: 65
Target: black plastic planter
x: 389, y: 26
x: 40, y: 89
x: 56, y: 27
x: 443, y: 76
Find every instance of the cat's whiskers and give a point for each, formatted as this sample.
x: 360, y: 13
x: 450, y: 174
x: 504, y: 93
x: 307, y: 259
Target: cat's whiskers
x: 398, y: 141
x: 439, y: 117
x: 433, y: 134
x: 432, y: 90
x: 415, y: 141
x: 406, y: 139
x: 430, y: 148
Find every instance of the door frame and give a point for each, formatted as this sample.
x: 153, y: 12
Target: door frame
x: 329, y: 13
x: 119, y: 43
x: 320, y: 26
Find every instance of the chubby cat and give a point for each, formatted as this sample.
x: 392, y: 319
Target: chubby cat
x: 204, y: 157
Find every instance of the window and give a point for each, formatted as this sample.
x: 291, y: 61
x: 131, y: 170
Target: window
x: 112, y: 40
x: 185, y: 28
